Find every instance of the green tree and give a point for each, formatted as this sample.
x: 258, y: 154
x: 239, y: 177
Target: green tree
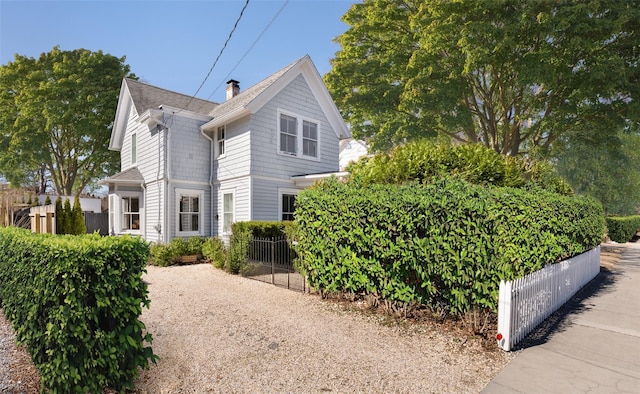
x: 47, y: 201
x: 59, y: 216
x: 66, y: 217
x: 77, y: 218
x: 606, y: 167
x: 56, y: 114
x: 511, y: 75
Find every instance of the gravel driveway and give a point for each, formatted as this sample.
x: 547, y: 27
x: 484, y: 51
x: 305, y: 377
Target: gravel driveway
x: 216, y: 332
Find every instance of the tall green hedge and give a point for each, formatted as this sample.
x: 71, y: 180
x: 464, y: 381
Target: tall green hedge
x: 447, y: 243
x: 622, y: 228
x: 75, y: 303
x: 425, y: 160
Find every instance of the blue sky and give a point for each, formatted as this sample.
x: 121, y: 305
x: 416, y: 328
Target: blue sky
x: 172, y: 44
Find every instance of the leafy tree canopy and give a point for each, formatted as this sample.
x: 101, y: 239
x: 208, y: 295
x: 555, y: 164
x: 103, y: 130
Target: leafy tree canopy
x: 56, y: 114
x: 606, y: 167
x: 510, y: 75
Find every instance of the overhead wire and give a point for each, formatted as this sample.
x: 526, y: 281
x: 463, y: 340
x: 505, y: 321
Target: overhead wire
x: 235, y: 26
x: 250, y: 48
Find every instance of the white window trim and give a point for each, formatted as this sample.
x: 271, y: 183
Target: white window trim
x: 189, y: 193
x: 224, y: 142
x: 233, y: 208
x: 134, y: 158
x: 282, y: 191
x: 299, y: 135
x: 115, y: 206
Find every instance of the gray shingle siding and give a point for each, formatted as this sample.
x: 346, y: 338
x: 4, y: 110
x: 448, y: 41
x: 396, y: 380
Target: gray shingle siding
x: 296, y: 98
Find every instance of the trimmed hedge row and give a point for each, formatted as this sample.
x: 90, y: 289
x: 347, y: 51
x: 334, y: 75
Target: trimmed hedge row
x: 621, y: 229
x: 75, y: 301
x: 445, y: 244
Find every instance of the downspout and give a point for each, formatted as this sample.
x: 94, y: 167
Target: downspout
x: 211, y: 217
x: 167, y: 168
x: 143, y: 222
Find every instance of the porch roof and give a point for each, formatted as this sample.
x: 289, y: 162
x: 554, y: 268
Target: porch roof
x: 130, y: 176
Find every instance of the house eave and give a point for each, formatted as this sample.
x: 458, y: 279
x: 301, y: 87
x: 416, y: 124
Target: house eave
x: 225, y: 119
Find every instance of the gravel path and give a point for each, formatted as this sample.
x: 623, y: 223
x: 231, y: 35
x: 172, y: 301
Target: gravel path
x: 216, y: 332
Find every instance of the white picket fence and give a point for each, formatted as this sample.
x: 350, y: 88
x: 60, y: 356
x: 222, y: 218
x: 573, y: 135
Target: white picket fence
x: 526, y: 302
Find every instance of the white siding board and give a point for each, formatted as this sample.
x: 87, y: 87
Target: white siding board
x: 241, y: 188
x: 236, y: 160
x: 266, y: 198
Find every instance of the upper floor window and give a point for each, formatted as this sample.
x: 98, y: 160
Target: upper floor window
x: 220, y: 138
x: 298, y: 136
x: 288, y: 134
x: 309, y: 139
x: 134, y: 152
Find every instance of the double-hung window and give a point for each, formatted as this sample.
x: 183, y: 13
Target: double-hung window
x: 227, y: 212
x: 298, y: 136
x: 189, y: 215
x: 130, y: 213
x: 288, y: 134
x: 288, y: 206
x: 309, y: 139
x: 220, y: 138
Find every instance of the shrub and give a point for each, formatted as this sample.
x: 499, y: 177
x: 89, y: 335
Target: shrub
x: 261, y: 229
x: 238, y: 248
x: 621, y: 229
x: 77, y: 219
x: 173, y: 253
x: 160, y: 255
x: 75, y: 303
x: 214, y: 251
x: 194, y: 246
x: 426, y: 161
x: 446, y: 244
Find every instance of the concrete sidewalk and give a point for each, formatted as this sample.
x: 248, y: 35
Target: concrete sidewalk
x: 592, y: 344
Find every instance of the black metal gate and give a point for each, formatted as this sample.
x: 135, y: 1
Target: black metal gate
x: 271, y: 260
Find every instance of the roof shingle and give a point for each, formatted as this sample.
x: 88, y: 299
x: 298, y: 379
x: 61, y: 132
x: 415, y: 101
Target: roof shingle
x: 150, y: 97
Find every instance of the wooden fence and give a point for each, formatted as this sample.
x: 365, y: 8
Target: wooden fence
x: 526, y: 302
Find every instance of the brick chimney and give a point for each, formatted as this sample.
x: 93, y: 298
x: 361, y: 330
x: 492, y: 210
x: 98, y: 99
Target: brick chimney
x: 233, y: 88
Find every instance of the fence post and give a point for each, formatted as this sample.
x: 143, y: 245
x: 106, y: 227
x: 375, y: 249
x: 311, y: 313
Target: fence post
x: 504, y: 315
x: 273, y: 258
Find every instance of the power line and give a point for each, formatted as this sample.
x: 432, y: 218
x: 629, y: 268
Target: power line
x: 220, y: 53
x: 250, y: 48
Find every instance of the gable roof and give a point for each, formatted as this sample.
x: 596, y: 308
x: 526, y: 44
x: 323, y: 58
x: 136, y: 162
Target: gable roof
x: 146, y: 97
x: 254, y: 98
x: 131, y: 176
x: 150, y: 97
x: 245, y: 97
